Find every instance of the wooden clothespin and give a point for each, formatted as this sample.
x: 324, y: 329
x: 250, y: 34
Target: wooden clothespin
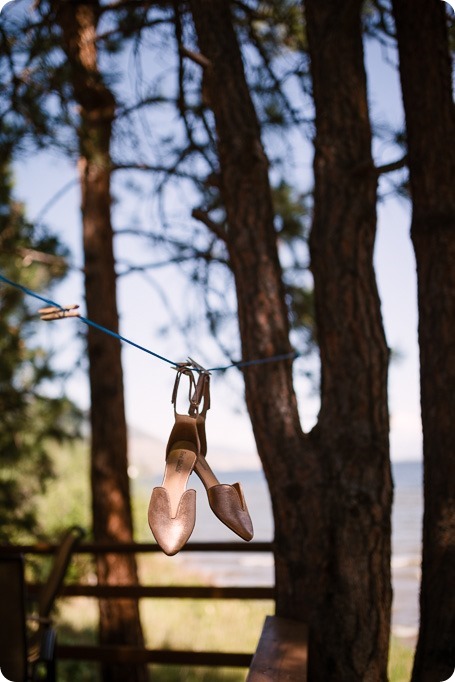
x: 197, y: 366
x: 202, y: 390
x: 55, y: 313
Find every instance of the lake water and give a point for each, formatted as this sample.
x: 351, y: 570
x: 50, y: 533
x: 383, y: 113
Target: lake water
x: 257, y: 568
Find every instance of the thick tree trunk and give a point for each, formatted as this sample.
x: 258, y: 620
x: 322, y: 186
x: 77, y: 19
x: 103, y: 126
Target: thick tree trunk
x: 353, y: 426
x: 330, y: 490
x: 430, y: 121
x: 112, y: 519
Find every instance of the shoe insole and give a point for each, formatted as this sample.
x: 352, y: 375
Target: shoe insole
x: 179, y: 465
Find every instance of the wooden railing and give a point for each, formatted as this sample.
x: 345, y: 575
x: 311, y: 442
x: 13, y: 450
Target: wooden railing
x: 130, y: 654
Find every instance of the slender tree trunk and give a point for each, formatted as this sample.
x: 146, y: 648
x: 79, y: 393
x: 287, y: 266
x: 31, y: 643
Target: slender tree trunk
x: 112, y: 519
x: 430, y: 122
x: 331, y: 489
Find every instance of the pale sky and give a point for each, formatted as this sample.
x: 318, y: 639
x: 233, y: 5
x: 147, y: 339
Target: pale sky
x: 148, y: 381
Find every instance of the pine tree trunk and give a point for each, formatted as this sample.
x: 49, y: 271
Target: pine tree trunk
x: 330, y: 489
x: 353, y: 425
x: 430, y: 122
x: 112, y: 519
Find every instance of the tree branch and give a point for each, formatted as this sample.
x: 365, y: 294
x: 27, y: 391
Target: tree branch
x: 156, y: 169
x: 214, y: 227
x: 368, y: 166
x: 30, y: 256
x: 392, y: 166
x: 156, y: 99
x: 195, y: 57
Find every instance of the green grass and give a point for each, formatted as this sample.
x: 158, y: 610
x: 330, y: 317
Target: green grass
x: 400, y: 661
x: 67, y: 500
x: 173, y: 673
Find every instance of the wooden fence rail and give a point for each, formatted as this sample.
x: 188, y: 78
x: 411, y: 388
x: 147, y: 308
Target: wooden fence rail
x: 139, y: 548
x: 130, y: 654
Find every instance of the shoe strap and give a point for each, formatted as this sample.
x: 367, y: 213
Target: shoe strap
x: 183, y: 369
x: 197, y: 391
x: 201, y: 393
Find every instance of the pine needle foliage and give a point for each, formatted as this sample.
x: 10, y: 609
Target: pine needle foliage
x: 30, y: 419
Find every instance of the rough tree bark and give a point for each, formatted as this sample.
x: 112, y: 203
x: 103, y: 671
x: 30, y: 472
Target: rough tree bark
x: 112, y: 519
x: 353, y: 424
x: 330, y: 489
x: 425, y: 71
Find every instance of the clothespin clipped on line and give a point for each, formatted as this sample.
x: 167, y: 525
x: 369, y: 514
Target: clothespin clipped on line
x: 190, y: 364
x: 200, y: 391
x: 198, y: 367
x: 55, y: 313
x: 197, y: 388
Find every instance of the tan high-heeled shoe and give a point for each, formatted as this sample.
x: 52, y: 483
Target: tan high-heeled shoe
x: 226, y: 501
x: 172, y: 508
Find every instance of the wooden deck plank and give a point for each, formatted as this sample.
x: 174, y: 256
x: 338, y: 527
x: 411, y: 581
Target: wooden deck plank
x: 282, y: 652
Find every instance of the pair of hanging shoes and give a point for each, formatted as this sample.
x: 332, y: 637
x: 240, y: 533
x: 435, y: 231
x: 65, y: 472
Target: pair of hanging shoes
x: 172, y: 509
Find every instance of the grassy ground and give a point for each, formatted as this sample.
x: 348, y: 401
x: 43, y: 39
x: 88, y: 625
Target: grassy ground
x: 400, y: 661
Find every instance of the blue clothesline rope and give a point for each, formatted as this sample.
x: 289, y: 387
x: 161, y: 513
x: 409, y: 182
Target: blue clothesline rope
x: 115, y: 335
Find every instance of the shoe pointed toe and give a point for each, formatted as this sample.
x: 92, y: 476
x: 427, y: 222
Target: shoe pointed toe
x: 171, y: 532
x: 228, y: 504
